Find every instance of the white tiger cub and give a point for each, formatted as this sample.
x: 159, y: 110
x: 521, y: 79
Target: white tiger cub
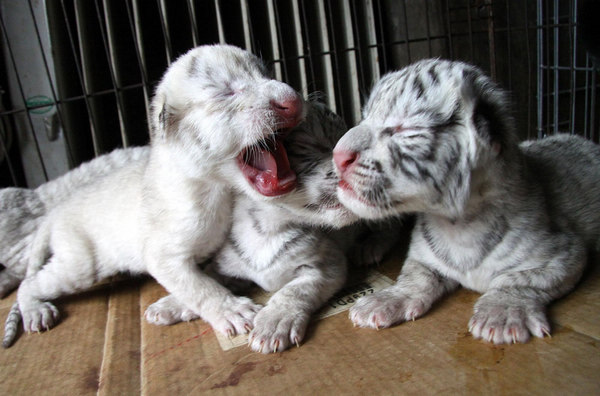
x: 163, y: 214
x: 277, y: 244
x: 513, y: 222
x: 22, y: 210
x: 299, y: 245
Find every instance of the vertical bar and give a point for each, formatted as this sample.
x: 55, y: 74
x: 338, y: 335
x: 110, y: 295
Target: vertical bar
x: 357, y: 45
x: 351, y: 59
x: 587, y: 108
x: 311, y: 51
x: 449, y: 27
x: 80, y: 75
x: 336, y: 64
x: 372, y: 44
x: 220, y: 22
x: 4, y: 149
x: 491, y: 39
x: 300, y: 48
x: 279, y: 33
x: 547, y: 73
x: 508, y: 38
x: 135, y: 26
x: 556, y: 62
x: 407, y: 41
x: 246, y: 24
x: 529, y: 64
x: 364, y: 26
x: 573, y: 32
x: 278, y: 65
x: 193, y: 22
x: 162, y: 10
x: 540, y: 76
x: 593, y: 99
x: 327, y: 58
x: 110, y: 55
x: 470, y: 24
x: 428, y: 28
x: 382, y: 44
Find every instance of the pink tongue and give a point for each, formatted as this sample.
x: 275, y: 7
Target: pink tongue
x: 269, y: 171
x: 265, y: 162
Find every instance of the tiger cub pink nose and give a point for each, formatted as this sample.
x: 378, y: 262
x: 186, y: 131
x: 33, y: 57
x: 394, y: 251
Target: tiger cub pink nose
x: 344, y: 159
x: 288, y: 108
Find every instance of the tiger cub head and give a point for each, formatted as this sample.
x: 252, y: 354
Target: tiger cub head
x: 432, y: 134
x: 310, y: 146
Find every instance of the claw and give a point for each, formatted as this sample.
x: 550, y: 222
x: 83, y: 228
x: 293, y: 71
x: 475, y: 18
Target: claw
x: 296, y: 342
x: 247, y: 327
x: 262, y: 344
x: 546, y: 333
x: 491, y: 335
x: 513, y: 332
x: 276, y: 346
x: 229, y: 334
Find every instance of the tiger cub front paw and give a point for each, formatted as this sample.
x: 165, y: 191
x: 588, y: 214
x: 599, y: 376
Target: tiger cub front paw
x: 505, y: 323
x: 276, y: 328
x: 384, y: 309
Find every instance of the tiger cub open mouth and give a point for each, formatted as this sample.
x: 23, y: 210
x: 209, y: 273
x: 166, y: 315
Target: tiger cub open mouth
x: 266, y: 166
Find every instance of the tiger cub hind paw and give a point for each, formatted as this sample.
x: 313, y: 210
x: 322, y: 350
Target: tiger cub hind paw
x: 168, y: 311
x: 385, y: 309
x: 39, y: 317
x: 508, y: 324
x: 233, y: 315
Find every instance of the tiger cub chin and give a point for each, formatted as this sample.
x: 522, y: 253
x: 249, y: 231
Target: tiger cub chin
x: 513, y: 222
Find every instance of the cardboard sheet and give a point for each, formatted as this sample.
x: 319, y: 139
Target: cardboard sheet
x: 65, y: 359
x: 103, y: 345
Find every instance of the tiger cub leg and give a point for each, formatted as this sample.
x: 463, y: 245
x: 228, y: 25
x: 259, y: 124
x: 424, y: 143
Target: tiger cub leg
x: 514, y: 306
x: 168, y: 310
x: 284, y: 319
x: 65, y: 273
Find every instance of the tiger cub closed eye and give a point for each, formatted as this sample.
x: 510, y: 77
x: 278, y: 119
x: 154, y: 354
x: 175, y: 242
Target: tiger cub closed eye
x: 512, y: 221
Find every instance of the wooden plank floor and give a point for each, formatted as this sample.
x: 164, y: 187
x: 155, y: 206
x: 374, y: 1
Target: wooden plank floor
x: 103, y: 346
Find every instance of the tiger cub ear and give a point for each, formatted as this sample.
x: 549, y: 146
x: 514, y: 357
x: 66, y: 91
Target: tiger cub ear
x: 491, y: 111
x: 487, y: 124
x: 163, y: 120
x: 158, y: 117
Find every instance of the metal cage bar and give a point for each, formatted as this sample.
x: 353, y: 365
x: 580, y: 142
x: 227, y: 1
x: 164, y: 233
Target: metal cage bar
x: 336, y: 47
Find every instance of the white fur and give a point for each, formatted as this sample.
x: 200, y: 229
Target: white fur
x: 22, y: 210
x: 164, y: 214
x: 512, y: 222
x: 277, y: 244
